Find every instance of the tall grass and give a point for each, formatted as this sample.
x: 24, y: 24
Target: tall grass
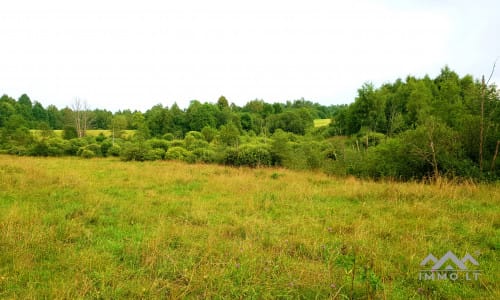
x: 101, y: 228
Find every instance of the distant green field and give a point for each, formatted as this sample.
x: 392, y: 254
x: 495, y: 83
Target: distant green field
x: 322, y: 122
x: 104, y: 229
x: 96, y: 132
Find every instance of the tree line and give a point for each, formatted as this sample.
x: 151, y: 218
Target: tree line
x: 409, y: 129
x: 257, y: 115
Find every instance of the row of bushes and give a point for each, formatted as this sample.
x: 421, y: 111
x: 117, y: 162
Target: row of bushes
x: 404, y: 157
x: 253, y: 155
x: 282, y: 149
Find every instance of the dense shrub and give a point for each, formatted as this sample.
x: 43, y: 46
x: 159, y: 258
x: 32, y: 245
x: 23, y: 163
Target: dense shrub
x: 69, y: 132
x: 105, y: 145
x: 370, y: 138
x: 134, y: 151
x: 39, y: 148
x: 230, y: 157
x: 100, y: 138
x: 49, y: 147
x: 114, y: 150
x: 254, y: 155
x: 20, y: 150
x: 205, y: 155
x: 154, y: 154
x: 168, y: 137
x: 229, y: 135
x: 389, y: 159
x: 156, y: 143
x: 296, y: 121
x: 305, y: 154
x: 280, y: 149
x: 195, y: 134
x: 192, y: 144
x: 209, y: 133
x: 58, y: 146
x: 87, y: 154
x: 96, y: 148
x: 179, y: 153
x: 75, y: 145
x: 176, y: 143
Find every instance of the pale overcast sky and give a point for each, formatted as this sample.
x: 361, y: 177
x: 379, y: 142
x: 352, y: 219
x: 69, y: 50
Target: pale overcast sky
x: 135, y: 54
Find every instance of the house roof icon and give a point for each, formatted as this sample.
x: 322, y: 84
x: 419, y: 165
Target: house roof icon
x: 448, y: 261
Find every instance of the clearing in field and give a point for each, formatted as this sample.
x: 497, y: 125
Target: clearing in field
x: 322, y: 122
x: 101, y: 228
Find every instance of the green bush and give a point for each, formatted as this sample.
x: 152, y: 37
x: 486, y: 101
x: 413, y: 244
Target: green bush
x: 158, y: 144
x: 105, y: 145
x: 39, y: 148
x: 134, y: 151
x: 230, y: 157
x: 330, y: 153
x: 168, y: 137
x: 280, y: 149
x: 192, y: 144
x: 69, y: 132
x: 89, y: 139
x: 305, y: 154
x: 390, y: 159
x: 176, y: 143
x: 57, y: 146
x: 229, y: 135
x: 313, y: 152
x: 75, y: 145
x: 96, y: 148
x: 368, y: 138
x: 205, y: 155
x: 100, y: 138
x: 254, y: 155
x: 209, y: 133
x: 179, y: 153
x: 87, y: 154
x: 195, y: 134
x: 194, y: 140
x: 18, y: 150
x: 49, y: 147
x: 154, y: 154
x: 114, y: 150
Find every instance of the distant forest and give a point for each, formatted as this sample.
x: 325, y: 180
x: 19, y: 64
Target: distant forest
x: 412, y: 129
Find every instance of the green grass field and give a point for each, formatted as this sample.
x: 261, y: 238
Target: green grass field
x: 104, y: 229
x: 322, y: 122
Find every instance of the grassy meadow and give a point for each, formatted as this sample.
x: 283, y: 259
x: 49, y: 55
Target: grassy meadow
x: 321, y: 122
x: 104, y: 229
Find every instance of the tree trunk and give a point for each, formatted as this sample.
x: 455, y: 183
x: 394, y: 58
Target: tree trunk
x: 434, y: 161
x: 481, y: 129
x: 495, y: 156
x: 77, y: 110
x: 80, y: 111
x: 481, y: 126
x: 84, y: 121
